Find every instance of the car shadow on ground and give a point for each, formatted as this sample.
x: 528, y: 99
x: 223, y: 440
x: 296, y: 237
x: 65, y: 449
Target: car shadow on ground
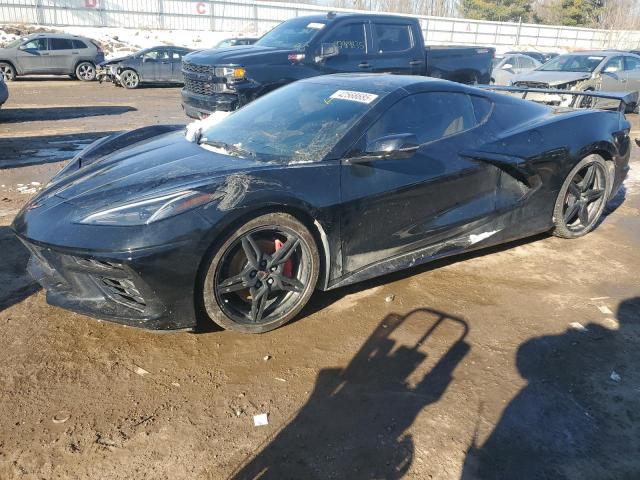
x: 578, y: 415
x: 19, y: 115
x: 354, y: 424
x: 15, y: 282
x: 22, y: 152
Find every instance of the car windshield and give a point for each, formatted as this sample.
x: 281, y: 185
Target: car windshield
x: 298, y: 123
x: 294, y: 34
x: 572, y: 63
x: 496, y: 62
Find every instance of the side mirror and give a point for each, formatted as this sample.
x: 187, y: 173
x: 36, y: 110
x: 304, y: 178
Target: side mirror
x: 22, y: 47
x: 507, y: 66
x: 327, y: 50
x: 393, y: 147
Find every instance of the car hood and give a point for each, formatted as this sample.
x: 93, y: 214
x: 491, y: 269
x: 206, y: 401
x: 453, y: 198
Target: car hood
x: 551, y: 78
x: 112, y: 61
x: 154, y: 166
x: 245, y: 55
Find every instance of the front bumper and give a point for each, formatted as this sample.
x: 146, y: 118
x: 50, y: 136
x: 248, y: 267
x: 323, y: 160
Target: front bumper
x: 129, y: 288
x: 200, y: 106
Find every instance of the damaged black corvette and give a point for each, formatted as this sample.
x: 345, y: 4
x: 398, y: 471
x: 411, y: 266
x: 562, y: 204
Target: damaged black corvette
x: 322, y: 183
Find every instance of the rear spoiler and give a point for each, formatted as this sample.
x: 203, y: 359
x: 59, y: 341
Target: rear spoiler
x: 624, y: 98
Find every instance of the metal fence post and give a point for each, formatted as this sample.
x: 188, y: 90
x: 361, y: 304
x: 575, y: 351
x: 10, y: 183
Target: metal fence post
x: 161, y: 14
x: 520, y: 30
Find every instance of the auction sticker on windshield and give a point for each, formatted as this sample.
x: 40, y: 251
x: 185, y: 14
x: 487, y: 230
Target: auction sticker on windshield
x: 361, y: 97
x: 316, y: 25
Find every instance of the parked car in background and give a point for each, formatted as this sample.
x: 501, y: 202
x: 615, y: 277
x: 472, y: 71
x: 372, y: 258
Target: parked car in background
x: 242, y: 220
x: 611, y: 71
x: 151, y: 65
x: 227, y: 78
x: 232, y: 42
x: 538, y: 56
x: 4, y: 91
x: 505, y: 67
x: 51, y: 54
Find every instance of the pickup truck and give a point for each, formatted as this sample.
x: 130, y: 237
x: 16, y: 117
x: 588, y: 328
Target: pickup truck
x: 225, y: 79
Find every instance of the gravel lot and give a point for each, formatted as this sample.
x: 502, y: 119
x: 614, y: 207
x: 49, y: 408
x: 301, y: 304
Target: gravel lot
x: 517, y: 362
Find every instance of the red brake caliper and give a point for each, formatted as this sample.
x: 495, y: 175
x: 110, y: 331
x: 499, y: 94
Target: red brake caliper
x: 287, y: 268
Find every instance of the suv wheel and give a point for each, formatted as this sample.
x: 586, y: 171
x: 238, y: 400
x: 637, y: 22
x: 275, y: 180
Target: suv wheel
x: 7, y: 71
x: 86, y: 71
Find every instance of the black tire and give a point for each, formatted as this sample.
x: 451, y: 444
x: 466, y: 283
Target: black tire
x: 130, y: 79
x: 73, y: 76
x: 86, y: 72
x: 587, y: 102
x: 7, y: 71
x: 582, y: 198
x: 249, y: 287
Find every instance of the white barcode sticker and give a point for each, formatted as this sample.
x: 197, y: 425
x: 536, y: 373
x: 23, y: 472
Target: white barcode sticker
x: 361, y: 97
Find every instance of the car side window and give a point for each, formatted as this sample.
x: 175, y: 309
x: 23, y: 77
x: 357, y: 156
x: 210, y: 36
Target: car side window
x: 37, y: 44
x: 392, y: 37
x: 631, y: 63
x: 176, y: 55
x: 481, y: 108
x: 78, y: 44
x: 526, y: 62
x: 429, y: 116
x: 60, y: 44
x: 616, y: 64
x: 349, y: 38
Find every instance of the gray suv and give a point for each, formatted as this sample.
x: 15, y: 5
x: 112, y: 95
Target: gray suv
x: 51, y: 54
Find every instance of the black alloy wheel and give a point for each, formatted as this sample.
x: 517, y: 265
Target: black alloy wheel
x: 262, y: 275
x: 582, y: 198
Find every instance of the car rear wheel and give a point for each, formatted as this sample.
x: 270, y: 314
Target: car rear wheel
x: 582, y: 198
x: 7, y: 71
x: 86, y: 72
x: 262, y: 275
x: 130, y: 79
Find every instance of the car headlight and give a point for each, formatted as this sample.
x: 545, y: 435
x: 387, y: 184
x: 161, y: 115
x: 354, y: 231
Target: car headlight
x: 146, y: 211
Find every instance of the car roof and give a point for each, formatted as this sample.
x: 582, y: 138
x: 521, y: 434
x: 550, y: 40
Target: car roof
x: 600, y: 53
x: 55, y: 35
x: 384, y: 83
x: 335, y: 15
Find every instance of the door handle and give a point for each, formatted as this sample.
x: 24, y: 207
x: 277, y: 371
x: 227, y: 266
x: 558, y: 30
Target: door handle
x: 415, y: 62
x: 45, y: 54
x: 364, y: 65
x: 75, y: 53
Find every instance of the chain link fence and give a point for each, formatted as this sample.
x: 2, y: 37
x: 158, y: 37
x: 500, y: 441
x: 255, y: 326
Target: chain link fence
x: 257, y: 17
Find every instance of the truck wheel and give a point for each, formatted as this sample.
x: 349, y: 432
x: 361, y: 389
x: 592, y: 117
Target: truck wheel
x: 129, y: 79
x: 262, y: 274
x: 582, y: 198
x: 86, y: 71
x: 7, y: 71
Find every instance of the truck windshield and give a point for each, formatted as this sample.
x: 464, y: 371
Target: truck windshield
x: 293, y: 34
x: 572, y: 63
x: 298, y: 123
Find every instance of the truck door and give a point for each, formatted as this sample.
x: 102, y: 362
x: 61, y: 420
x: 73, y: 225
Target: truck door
x: 352, y: 40
x: 395, y: 48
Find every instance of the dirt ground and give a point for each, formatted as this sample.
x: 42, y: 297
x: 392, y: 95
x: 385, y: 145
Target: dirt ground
x: 517, y: 362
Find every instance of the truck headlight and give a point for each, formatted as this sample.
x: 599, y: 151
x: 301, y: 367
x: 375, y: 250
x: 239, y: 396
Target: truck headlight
x: 234, y: 73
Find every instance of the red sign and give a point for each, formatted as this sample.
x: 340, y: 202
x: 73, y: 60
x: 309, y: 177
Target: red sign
x: 91, y: 3
x: 202, y: 8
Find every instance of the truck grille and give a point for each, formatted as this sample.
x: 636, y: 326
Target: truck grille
x: 192, y: 67
x: 531, y: 85
x: 202, y: 88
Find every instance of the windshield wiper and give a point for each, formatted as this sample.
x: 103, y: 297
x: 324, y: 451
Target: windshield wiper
x: 229, y: 148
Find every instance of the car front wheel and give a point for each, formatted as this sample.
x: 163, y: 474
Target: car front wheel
x: 262, y: 275
x: 130, y: 79
x: 7, y: 71
x: 86, y: 72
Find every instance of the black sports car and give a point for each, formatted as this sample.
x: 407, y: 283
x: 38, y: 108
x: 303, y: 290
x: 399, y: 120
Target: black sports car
x: 151, y: 65
x: 319, y: 184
